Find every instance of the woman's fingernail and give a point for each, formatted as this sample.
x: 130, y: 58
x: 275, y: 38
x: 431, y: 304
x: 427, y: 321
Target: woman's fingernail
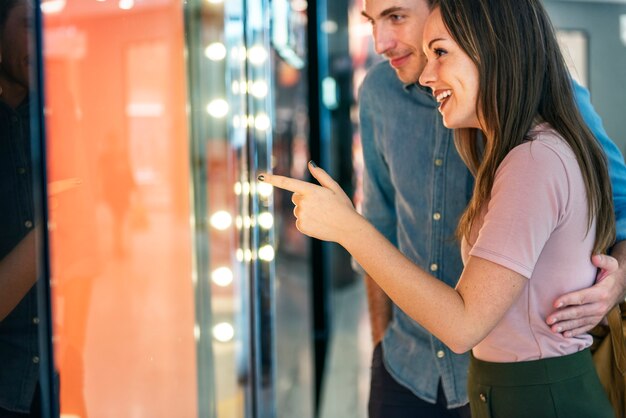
x: 313, y: 164
x: 261, y: 177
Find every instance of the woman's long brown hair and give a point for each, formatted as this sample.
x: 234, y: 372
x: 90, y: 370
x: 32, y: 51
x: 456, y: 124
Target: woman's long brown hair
x: 523, y: 80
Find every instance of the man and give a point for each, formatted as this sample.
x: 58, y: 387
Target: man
x: 19, y: 342
x: 415, y: 188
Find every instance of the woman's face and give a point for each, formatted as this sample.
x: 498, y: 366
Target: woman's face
x: 451, y: 74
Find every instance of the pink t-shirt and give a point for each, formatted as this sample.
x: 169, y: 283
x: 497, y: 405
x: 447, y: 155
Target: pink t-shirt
x: 536, y: 225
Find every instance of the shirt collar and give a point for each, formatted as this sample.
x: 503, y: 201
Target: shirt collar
x: 417, y: 87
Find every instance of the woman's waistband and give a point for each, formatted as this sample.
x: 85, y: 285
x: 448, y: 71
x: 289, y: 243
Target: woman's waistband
x: 542, y: 371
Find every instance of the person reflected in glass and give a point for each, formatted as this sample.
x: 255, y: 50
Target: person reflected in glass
x: 19, y: 346
x: 119, y: 190
x: 541, y: 206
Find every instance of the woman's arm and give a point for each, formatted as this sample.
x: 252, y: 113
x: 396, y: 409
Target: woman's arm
x: 459, y: 317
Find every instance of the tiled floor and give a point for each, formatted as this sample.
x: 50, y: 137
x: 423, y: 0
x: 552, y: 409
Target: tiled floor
x: 346, y: 386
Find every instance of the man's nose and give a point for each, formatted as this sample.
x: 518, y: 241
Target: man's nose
x: 383, y: 40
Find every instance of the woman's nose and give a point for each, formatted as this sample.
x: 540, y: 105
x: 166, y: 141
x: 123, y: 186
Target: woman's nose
x: 428, y: 75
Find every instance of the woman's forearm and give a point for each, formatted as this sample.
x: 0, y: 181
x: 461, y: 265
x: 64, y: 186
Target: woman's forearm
x: 460, y: 317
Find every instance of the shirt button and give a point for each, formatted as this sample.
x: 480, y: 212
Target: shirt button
x: 434, y: 267
x: 35, y: 320
x: 438, y: 162
x: 436, y: 216
x: 28, y: 224
x: 35, y: 359
x: 483, y: 398
x: 441, y: 354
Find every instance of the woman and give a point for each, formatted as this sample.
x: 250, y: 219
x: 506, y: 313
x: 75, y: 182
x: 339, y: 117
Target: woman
x: 541, y: 205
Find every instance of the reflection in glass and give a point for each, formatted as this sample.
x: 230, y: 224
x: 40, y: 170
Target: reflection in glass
x: 121, y: 259
x: 19, y: 317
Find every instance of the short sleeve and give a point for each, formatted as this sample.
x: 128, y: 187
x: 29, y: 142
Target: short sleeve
x: 528, y: 199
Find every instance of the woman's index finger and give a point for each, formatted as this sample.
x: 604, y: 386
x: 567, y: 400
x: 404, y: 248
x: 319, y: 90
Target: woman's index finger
x: 288, y: 183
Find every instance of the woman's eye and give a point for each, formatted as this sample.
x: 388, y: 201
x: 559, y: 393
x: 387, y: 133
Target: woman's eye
x: 439, y: 52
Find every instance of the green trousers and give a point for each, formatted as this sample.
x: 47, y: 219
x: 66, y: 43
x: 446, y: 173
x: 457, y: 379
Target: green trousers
x: 560, y: 387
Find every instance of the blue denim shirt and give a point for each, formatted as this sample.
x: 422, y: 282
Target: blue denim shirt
x: 415, y: 188
x: 19, y: 343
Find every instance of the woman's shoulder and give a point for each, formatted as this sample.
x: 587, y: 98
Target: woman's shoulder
x: 545, y: 156
x: 544, y: 144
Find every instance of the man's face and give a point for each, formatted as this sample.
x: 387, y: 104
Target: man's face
x: 397, y: 27
x: 14, y: 44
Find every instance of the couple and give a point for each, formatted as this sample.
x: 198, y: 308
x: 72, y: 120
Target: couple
x: 541, y: 205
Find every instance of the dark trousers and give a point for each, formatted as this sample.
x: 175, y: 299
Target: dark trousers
x: 389, y: 399
x: 35, y: 408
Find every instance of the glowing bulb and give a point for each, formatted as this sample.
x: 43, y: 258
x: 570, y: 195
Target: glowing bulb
x: 266, y: 220
x: 126, y: 4
x: 299, y: 5
x: 259, y: 89
x: 221, y: 220
x: 215, y: 51
x: 222, y: 276
x: 266, y: 253
x: 262, y: 122
x: 218, y: 108
x: 329, y: 26
x: 265, y: 189
x: 257, y: 55
x: 52, y: 6
x: 223, y: 332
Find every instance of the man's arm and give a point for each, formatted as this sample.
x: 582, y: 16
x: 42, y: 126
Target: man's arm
x: 580, y: 311
x: 17, y: 274
x: 380, y: 309
x: 378, y: 204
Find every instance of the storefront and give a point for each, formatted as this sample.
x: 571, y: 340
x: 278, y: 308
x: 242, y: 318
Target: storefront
x: 169, y: 282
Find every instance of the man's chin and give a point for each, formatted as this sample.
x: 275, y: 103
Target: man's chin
x: 406, y: 76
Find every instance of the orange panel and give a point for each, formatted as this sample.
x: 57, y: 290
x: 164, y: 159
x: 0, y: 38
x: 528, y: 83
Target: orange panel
x: 119, y: 211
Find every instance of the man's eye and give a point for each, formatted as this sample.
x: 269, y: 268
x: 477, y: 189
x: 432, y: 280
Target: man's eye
x: 396, y: 18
